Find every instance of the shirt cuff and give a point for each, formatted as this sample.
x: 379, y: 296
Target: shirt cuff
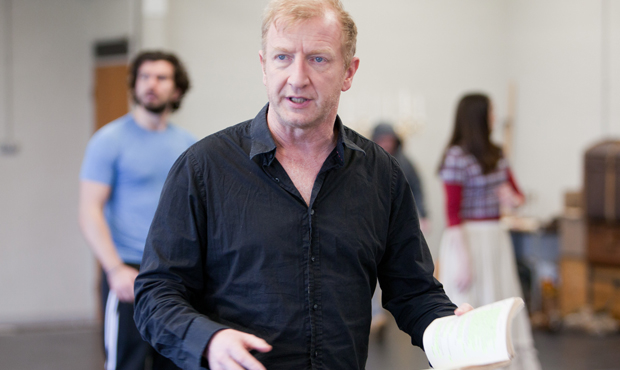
x: 198, y: 337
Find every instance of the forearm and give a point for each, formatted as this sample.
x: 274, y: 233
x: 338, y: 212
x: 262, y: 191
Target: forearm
x: 454, y: 196
x: 97, y: 234
x: 93, y: 198
x: 410, y: 292
x: 414, y: 312
x: 167, y: 319
x: 171, y: 307
x: 414, y: 298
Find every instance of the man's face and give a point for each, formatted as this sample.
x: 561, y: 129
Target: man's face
x: 388, y: 143
x: 303, y: 70
x: 155, y: 89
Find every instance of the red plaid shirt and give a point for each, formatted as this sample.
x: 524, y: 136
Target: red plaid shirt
x: 470, y: 194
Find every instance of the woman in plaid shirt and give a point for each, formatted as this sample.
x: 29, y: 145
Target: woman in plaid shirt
x: 476, y: 258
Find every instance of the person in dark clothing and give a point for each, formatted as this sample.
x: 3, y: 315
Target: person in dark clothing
x: 384, y: 135
x: 270, y: 235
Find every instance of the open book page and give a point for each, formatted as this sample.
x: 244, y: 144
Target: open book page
x: 479, y: 337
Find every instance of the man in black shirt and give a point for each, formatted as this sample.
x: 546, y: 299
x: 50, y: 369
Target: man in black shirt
x: 270, y: 235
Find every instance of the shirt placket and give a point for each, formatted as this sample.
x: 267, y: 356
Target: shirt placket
x: 314, y: 264
x: 311, y: 246
x: 277, y: 173
x: 313, y: 290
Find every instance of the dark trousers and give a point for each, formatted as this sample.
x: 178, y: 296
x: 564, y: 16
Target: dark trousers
x: 124, y: 347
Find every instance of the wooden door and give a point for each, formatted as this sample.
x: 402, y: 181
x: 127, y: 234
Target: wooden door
x: 111, y: 89
x: 111, y: 93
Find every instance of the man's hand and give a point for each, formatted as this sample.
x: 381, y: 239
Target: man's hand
x: 121, y: 280
x: 464, y: 308
x: 229, y: 350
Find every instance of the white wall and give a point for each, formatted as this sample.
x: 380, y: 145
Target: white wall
x: 219, y: 41
x: 557, y: 68
x: 46, y: 271
x: 555, y: 57
x: 435, y: 50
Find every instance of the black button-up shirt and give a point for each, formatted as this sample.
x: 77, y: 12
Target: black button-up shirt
x: 234, y: 245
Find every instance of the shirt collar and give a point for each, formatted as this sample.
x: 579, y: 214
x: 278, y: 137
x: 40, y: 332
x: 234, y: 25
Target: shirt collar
x: 262, y: 142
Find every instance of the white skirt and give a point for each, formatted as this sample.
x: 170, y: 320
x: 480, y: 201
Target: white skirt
x: 494, y: 277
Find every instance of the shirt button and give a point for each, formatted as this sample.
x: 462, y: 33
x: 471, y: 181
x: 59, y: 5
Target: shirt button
x: 315, y: 306
x: 312, y: 211
x: 277, y: 179
x: 312, y: 258
x: 316, y: 353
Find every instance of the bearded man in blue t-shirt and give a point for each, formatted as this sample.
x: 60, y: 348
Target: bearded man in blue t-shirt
x: 123, y: 172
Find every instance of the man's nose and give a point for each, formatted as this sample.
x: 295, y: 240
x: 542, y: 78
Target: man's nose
x: 299, y: 73
x: 151, y: 81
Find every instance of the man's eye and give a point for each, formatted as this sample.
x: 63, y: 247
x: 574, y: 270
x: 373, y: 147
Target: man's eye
x: 319, y: 59
x: 281, y: 57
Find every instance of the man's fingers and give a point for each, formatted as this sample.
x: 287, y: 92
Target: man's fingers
x: 246, y: 360
x: 229, y: 363
x: 125, y: 295
x: 256, y: 343
x: 127, y: 298
x: 243, y: 357
x: 465, y: 307
x: 229, y: 349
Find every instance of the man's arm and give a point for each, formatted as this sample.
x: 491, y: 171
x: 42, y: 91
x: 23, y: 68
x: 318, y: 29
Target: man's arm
x: 93, y: 197
x: 405, y: 272
x: 170, y: 289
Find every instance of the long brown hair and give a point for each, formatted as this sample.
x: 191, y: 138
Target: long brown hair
x: 472, y: 131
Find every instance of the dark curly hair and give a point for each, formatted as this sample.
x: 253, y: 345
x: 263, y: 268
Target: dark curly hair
x: 181, y: 79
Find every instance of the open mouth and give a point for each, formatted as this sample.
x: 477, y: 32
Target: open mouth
x: 298, y: 100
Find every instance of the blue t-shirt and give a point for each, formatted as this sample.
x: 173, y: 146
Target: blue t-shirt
x: 135, y: 163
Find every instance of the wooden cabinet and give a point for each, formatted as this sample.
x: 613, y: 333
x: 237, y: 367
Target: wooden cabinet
x: 604, y: 243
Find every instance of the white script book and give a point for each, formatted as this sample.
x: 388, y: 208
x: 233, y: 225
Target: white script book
x: 478, y: 339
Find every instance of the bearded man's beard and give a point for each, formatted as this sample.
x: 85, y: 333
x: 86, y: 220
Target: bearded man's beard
x: 157, y: 109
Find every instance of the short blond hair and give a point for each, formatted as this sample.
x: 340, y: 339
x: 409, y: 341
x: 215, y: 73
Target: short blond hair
x: 295, y: 11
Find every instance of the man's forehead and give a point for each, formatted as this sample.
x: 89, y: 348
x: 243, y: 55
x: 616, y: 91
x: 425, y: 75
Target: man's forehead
x: 327, y: 15
x: 161, y: 66
x: 283, y: 31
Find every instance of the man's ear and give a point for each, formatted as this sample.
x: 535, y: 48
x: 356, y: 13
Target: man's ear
x: 349, y: 73
x: 177, y: 95
x: 262, y: 64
